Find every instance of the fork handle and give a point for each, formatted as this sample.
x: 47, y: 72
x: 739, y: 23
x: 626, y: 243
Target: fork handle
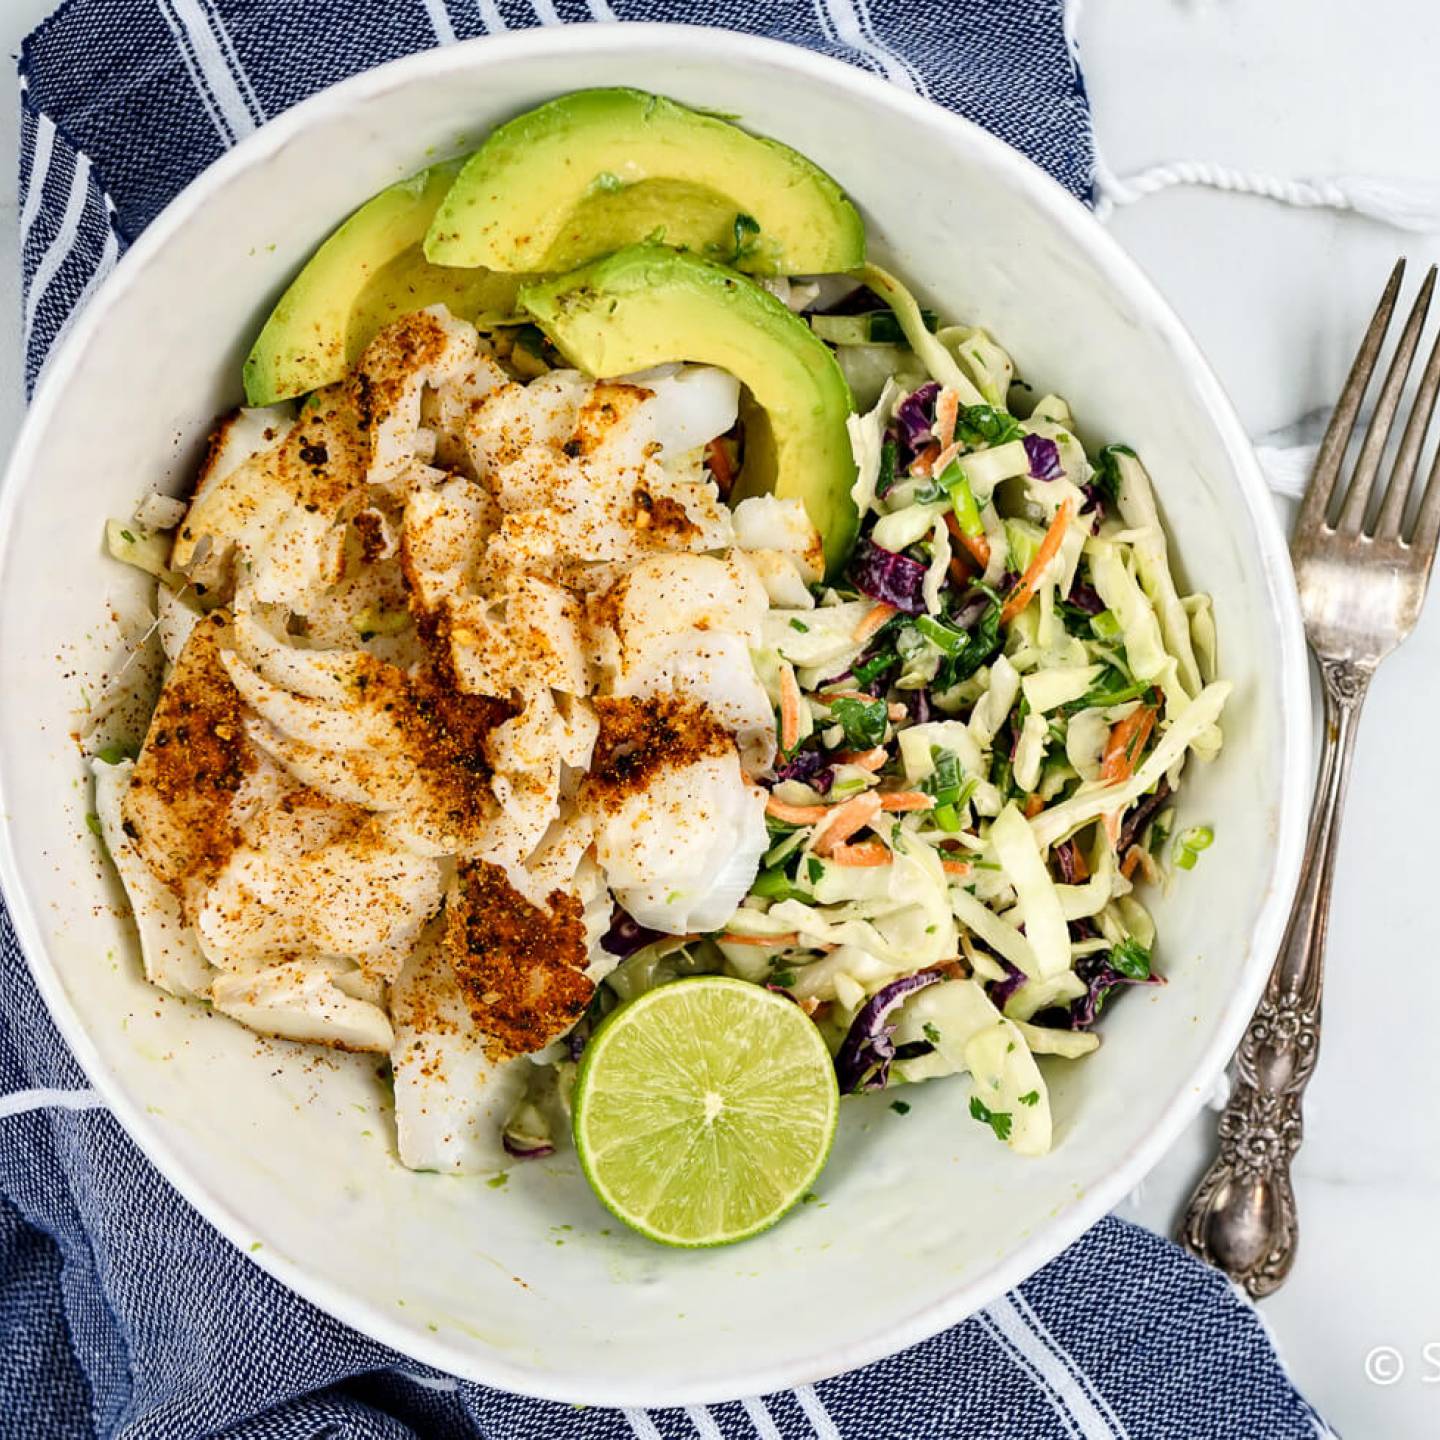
x: 1242, y: 1216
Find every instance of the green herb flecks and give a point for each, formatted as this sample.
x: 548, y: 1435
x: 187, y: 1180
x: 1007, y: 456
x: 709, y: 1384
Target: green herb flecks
x: 863, y: 721
x: 746, y: 232
x: 1131, y: 959
x: 998, y: 1120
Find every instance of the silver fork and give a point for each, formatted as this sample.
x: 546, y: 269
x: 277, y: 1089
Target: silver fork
x: 1362, y: 581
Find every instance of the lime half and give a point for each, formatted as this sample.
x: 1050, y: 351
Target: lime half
x: 704, y: 1110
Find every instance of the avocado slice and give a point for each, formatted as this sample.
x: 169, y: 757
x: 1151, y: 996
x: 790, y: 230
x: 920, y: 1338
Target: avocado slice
x: 369, y: 271
x: 649, y: 305
x: 596, y: 170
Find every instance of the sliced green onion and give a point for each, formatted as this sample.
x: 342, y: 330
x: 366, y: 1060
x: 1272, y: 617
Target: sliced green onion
x: 867, y: 670
x: 1189, y: 843
x: 962, y: 500
x: 774, y: 884
x: 942, y: 636
x: 943, y: 782
x: 947, y: 817
x: 776, y: 853
x: 889, y: 457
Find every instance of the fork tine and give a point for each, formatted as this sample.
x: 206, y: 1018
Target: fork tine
x: 1331, y: 455
x: 1427, y: 523
x: 1352, y: 516
x: 1407, y: 460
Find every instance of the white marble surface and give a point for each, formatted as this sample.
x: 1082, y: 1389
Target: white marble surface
x: 1277, y: 299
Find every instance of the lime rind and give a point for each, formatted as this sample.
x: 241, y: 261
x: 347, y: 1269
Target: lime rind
x: 704, y: 1111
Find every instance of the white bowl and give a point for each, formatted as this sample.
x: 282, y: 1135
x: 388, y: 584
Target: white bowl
x: 531, y: 1286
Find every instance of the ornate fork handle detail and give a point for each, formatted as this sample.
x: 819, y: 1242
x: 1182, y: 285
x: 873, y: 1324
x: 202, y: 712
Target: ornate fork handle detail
x: 1242, y: 1215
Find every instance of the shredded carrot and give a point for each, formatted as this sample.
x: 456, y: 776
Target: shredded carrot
x: 976, y: 546
x: 1126, y: 743
x: 875, y: 617
x: 1113, y: 821
x: 907, y: 800
x: 1033, y: 806
x: 790, y: 703
x: 845, y: 820
x: 778, y: 942
x: 941, y: 463
x: 1082, y: 870
x: 962, y: 571
x: 1131, y: 861
x: 947, y: 412
x: 795, y: 814
x: 957, y: 867
x: 718, y: 458
x: 922, y: 464
x: 1024, y: 591
x: 867, y: 852
x: 871, y: 760
x: 951, y: 968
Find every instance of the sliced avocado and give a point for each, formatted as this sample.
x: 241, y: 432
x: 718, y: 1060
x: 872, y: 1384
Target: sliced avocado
x: 649, y: 305
x: 369, y: 271
x: 593, y: 171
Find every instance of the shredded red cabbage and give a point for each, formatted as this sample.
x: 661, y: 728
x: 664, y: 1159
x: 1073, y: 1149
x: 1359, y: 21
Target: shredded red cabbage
x: 1094, y: 505
x: 1100, y: 979
x: 1141, y: 815
x: 1001, y: 990
x: 917, y: 702
x: 526, y: 1152
x: 863, y: 1060
x: 1044, y: 456
x: 625, y: 936
x: 1067, y: 857
x: 809, y: 766
x: 1085, y: 597
x: 883, y: 575
x: 915, y: 415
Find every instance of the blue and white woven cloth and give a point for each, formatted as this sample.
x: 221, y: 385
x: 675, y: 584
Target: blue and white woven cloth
x: 122, y: 1313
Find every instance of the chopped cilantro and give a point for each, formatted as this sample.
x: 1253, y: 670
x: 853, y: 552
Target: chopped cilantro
x: 1131, y: 959
x: 998, y: 1120
x: 1107, y: 471
x: 985, y: 425
x: 801, y: 626
x: 114, y: 754
x: 814, y: 869
x: 747, y: 227
x: 930, y: 1033
x: 863, y: 721
x: 899, y: 1107
x: 496, y: 1181
x: 126, y: 536
x: 92, y: 824
x: 784, y: 977
x: 1032, y: 1098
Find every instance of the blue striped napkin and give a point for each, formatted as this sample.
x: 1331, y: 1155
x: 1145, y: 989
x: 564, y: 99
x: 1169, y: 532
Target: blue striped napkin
x: 122, y: 1313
